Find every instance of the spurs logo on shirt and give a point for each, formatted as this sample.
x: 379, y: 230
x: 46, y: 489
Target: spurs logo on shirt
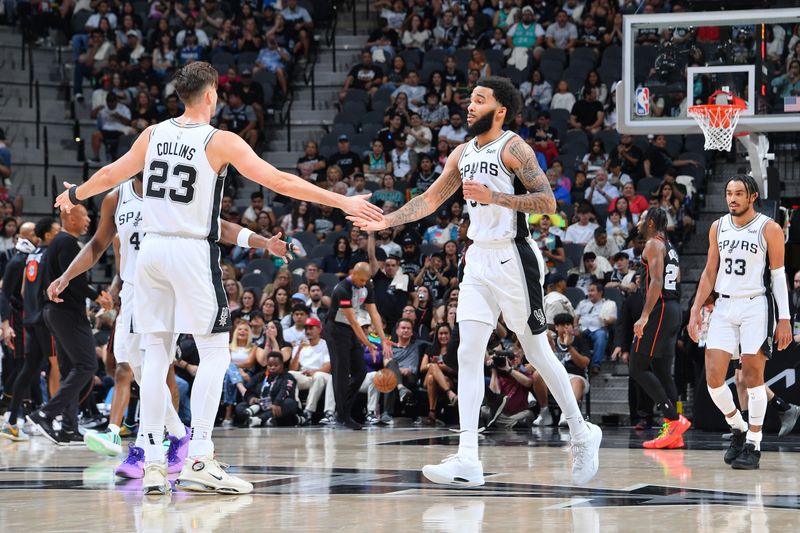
x: 128, y: 218
x: 485, y: 165
x: 742, y: 257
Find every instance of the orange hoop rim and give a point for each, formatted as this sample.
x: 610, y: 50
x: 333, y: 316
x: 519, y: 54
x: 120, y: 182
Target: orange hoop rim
x: 707, y: 109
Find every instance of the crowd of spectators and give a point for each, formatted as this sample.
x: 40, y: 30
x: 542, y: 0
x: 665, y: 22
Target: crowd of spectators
x: 402, y: 112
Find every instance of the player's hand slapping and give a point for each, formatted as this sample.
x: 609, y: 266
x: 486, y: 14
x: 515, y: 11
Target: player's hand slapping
x: 360, y: 208
x: 280, y: 248
x: 62, y: 201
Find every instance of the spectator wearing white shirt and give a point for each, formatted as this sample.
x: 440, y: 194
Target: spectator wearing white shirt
x: 311, y: 367
x: 555, y: 301
x: 593, y: 317
x: 602, y: 245
x: 359, y: 185
x: 404, y: 160
x: 191, y: 26
x: 414, y: 91
x: 455, y: 132
x: 296, y: 333
x: 114, y: 121
x: 562, y: 34
x: 583, y: 231
x: 298, y: 27
x: 601, y: 192
x: 419, y: 136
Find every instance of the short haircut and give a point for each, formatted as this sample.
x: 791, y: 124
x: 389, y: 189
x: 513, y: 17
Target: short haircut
x: 43, y: 226
x: 600, y: 230
x: 505, y: 93
x: 193, y: 79
x: 256, y: 194
x: 410, y: 322
x: 563, y: 318
x: 275, y: 355
x: 301, y: 307
x: 315, y: 284
x: 598, y: 285
x: 589, y: 255
x: 584, y: 209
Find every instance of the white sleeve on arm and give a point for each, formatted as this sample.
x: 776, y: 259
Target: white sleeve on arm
x: 781, y: 292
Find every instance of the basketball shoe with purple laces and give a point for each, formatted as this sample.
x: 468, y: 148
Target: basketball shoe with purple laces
x: 133, y: 465
x: 177, y: 452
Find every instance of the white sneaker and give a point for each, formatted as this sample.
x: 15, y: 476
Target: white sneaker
x: 544, y: 418
x: 227, y: 424
x: 562, y: 421
x: 155, y: 482
x: 372, y: 419
x: 585, y: 456
x: 456, y: 470
x: 206, y: 474
x: 329, y: 419
x: 254, y: 422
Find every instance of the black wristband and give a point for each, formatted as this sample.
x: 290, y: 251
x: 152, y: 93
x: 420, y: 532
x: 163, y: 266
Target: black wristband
x: 73, y: 195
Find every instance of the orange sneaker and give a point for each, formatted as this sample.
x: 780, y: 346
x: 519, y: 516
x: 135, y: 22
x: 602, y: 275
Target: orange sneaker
x: 671, y: 434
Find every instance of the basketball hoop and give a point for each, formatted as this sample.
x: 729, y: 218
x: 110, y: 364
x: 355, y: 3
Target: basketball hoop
x: 718, y: 121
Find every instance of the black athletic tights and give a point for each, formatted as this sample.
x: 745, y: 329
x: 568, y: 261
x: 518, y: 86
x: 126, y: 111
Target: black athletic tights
x: 38, y: 347
x: 654, y: 375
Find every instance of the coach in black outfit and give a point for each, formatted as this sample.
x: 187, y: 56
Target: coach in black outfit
x: 346, y: 338
x: 70, y: 327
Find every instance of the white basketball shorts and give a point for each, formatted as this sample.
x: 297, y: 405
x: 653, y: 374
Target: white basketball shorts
x: 126, y: 342
x: 748, y: 323
x: 505, y: 277
x: 179, y: 287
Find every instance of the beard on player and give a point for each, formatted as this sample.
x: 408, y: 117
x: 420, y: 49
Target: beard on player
x: 482, y: 125
x: 738, y: 210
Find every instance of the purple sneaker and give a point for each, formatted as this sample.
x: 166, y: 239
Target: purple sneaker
x: 133, y: 465
x: 177, y: 452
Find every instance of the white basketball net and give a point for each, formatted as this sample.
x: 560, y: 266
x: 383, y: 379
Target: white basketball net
x: 718, y: 123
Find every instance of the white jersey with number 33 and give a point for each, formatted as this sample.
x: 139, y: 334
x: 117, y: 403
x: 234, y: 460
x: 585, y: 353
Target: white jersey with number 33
x: 742, y: 257
x: 128, y: 218
x: 490, y: 223
x: 182, y: 192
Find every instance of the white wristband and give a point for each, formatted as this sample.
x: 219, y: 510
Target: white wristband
x: 243, y: 239
x: 781, y: 292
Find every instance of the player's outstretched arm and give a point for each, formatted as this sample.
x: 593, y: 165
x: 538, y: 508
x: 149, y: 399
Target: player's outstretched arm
x: 230, y: 234
x: 227, y: 147
x: 774, y: 236
x: 424, y: 204
x: 520, y: 159
x: 110, y: 175
x: 94, y: 249
x: 706, y: 284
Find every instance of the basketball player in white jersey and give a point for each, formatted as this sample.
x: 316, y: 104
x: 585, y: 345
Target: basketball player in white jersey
x: 742, y: 246
x: 504, y: 271
x: 178, y: 277
x: 120, y: 215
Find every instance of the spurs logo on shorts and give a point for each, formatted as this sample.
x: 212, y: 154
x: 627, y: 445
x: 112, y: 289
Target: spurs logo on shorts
x: 224, y: 315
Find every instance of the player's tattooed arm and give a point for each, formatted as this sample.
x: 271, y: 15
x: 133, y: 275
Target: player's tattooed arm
x: 426, y: 203
x: 520, y: 158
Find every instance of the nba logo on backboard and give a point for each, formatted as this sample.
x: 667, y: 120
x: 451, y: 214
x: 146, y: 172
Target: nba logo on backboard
x: 642, y: 101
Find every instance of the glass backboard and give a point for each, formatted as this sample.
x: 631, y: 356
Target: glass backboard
x: 671, y: 61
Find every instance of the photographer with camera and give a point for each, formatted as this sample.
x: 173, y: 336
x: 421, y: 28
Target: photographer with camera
x: 270, y: 399
x: 511, y: 379
x: 570, y: 350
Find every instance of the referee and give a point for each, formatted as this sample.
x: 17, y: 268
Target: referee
x: 70, y: 327
x: 346, y: 339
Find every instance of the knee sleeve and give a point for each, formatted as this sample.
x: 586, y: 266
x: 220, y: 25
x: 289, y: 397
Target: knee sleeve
x: 723, y: 399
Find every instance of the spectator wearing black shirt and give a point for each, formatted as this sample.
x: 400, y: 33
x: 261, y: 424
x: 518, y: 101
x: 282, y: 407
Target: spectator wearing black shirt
x: 66, y: 320
x: 657, y: 160
x: 587, y: 114
x: 344, y: 158
x: 388, y: 135
x: 629, y: 158
x: 384, y: 40
x: 346, y: 339
x: 270, y: 398
x: 240, y: 118
x: 589, y: 35
x: 312, y: 159
x: 338, y: 262
x: 328, y: 219
x: 575, y: 354
x: 365, y: 76
x: 392, y: 288
x: 37, y: 336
